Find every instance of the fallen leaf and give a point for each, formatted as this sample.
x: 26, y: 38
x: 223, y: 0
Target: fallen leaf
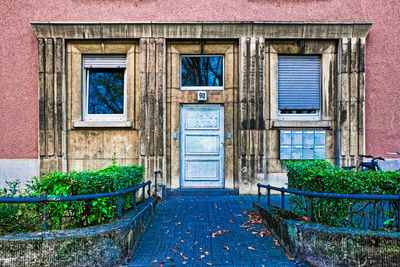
x: 188, y: 233
x: 207, y: 253
x: 226, y: 247
x: 277, y: 243
x: 264, y: 233
x: 254, y: 233
x: 181, y: 254
x: 220, y: 232
x: 288, y: 256
x: 184, y: 258
x: 305, y: 218
x: 209, y: 264
x: 155, y: 261
x: 231, y: 221
x: 251, y: 248
x: 245, y: 226
x: 178, y: 223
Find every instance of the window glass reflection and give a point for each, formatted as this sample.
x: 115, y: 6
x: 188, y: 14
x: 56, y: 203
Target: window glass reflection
x: 106, y: 91
x: 202, y: 71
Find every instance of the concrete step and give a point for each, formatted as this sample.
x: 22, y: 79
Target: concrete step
x: 202, y: 192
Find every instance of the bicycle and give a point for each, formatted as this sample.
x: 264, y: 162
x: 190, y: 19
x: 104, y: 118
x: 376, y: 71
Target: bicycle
x: 372, y: 165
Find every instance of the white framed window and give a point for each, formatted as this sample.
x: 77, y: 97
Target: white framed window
x: 302, y: 144
x: 202, y: 72
x: 299, y: 87
x: 104, y: 88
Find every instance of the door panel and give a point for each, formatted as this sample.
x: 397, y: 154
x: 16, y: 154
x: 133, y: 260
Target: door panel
x: 202, y: 146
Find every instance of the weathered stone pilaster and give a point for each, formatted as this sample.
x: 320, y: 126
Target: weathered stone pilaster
x: 351, y: 99
x: 251, y: 113
x: 151, y: 104
x: 51, y: 114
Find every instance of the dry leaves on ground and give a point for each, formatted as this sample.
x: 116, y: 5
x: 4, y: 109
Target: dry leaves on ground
x: 264, y: 233
x: 254, y: 218
x: 226, y: 247
x: 251, y: 248
x: 220, y: 232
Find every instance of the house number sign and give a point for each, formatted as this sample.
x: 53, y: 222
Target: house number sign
x: 202, y: 96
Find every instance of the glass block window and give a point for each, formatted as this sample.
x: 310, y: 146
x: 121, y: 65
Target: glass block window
x: 202, y: 72
x: 298, y: 144
x: 104, y: 94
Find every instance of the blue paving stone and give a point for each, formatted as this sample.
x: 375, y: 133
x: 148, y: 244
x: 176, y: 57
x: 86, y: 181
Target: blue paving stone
x: 181, y: 234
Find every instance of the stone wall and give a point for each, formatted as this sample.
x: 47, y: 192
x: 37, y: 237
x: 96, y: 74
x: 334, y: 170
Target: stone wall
x: 106, y: 245
x: 320, y: 245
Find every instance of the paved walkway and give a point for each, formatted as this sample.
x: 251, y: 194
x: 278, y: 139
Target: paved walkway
x: 208, y: 231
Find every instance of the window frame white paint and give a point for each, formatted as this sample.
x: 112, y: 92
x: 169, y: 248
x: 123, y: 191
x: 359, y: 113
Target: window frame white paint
x: 85, y: 86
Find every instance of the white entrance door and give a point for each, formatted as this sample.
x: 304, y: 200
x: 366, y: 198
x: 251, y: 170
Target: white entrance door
x: 202, y: 146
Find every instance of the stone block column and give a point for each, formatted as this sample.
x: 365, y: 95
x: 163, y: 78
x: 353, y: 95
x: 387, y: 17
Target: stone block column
x: 251, y: 113
x: 351, y: 100
x: 152, y: 105
x: 52, y: 104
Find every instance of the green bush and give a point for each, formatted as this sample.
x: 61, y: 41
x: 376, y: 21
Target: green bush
x: 322, y: 176
x: 71, y: 214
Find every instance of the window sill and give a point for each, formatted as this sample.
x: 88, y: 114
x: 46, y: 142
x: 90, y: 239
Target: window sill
x: 301, y: 124
x: 101, y: 124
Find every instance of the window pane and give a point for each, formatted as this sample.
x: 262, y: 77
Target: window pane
x: 106, y: 91
x: 202, y: 71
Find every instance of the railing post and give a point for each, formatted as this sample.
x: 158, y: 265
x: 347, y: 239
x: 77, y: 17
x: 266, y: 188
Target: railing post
x: 269, y: 197
x: 134, y: 200
x: 259, y: 192
x: 119, y: 198
x: 149, y: 190
x: 398, y: 214
x: 143, y: 192
x: 44, y: 225
x: 309, y: 208
x: 282, y: 199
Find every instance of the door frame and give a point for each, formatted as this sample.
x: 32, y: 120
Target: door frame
x: 222, y: 139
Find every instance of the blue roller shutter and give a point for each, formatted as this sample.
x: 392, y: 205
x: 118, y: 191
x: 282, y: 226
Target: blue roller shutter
x: 299, y: 82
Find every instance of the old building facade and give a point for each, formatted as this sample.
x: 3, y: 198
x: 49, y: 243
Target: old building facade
x: 233, y: 139
x: 211, y: 104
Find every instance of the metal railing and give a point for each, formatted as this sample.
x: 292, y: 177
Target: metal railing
x: 117, y: 194
x: 309, y: 196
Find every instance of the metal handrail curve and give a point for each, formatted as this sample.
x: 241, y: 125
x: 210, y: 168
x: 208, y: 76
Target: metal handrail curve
x: 310, y: 195
x: 46, y: 199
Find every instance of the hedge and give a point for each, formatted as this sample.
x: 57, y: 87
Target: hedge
x: 66, y: 215
x: 322, y: 176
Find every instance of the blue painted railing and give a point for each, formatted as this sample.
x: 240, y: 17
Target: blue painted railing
x: 117, y: 194
x: 309, y: 195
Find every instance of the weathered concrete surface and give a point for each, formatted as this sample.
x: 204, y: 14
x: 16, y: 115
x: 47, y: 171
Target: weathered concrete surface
x: 322, y: 245
x: 105, y: 245
x: 18, y: 169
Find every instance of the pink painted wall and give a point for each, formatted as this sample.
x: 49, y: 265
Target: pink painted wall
x: 18, y: 52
